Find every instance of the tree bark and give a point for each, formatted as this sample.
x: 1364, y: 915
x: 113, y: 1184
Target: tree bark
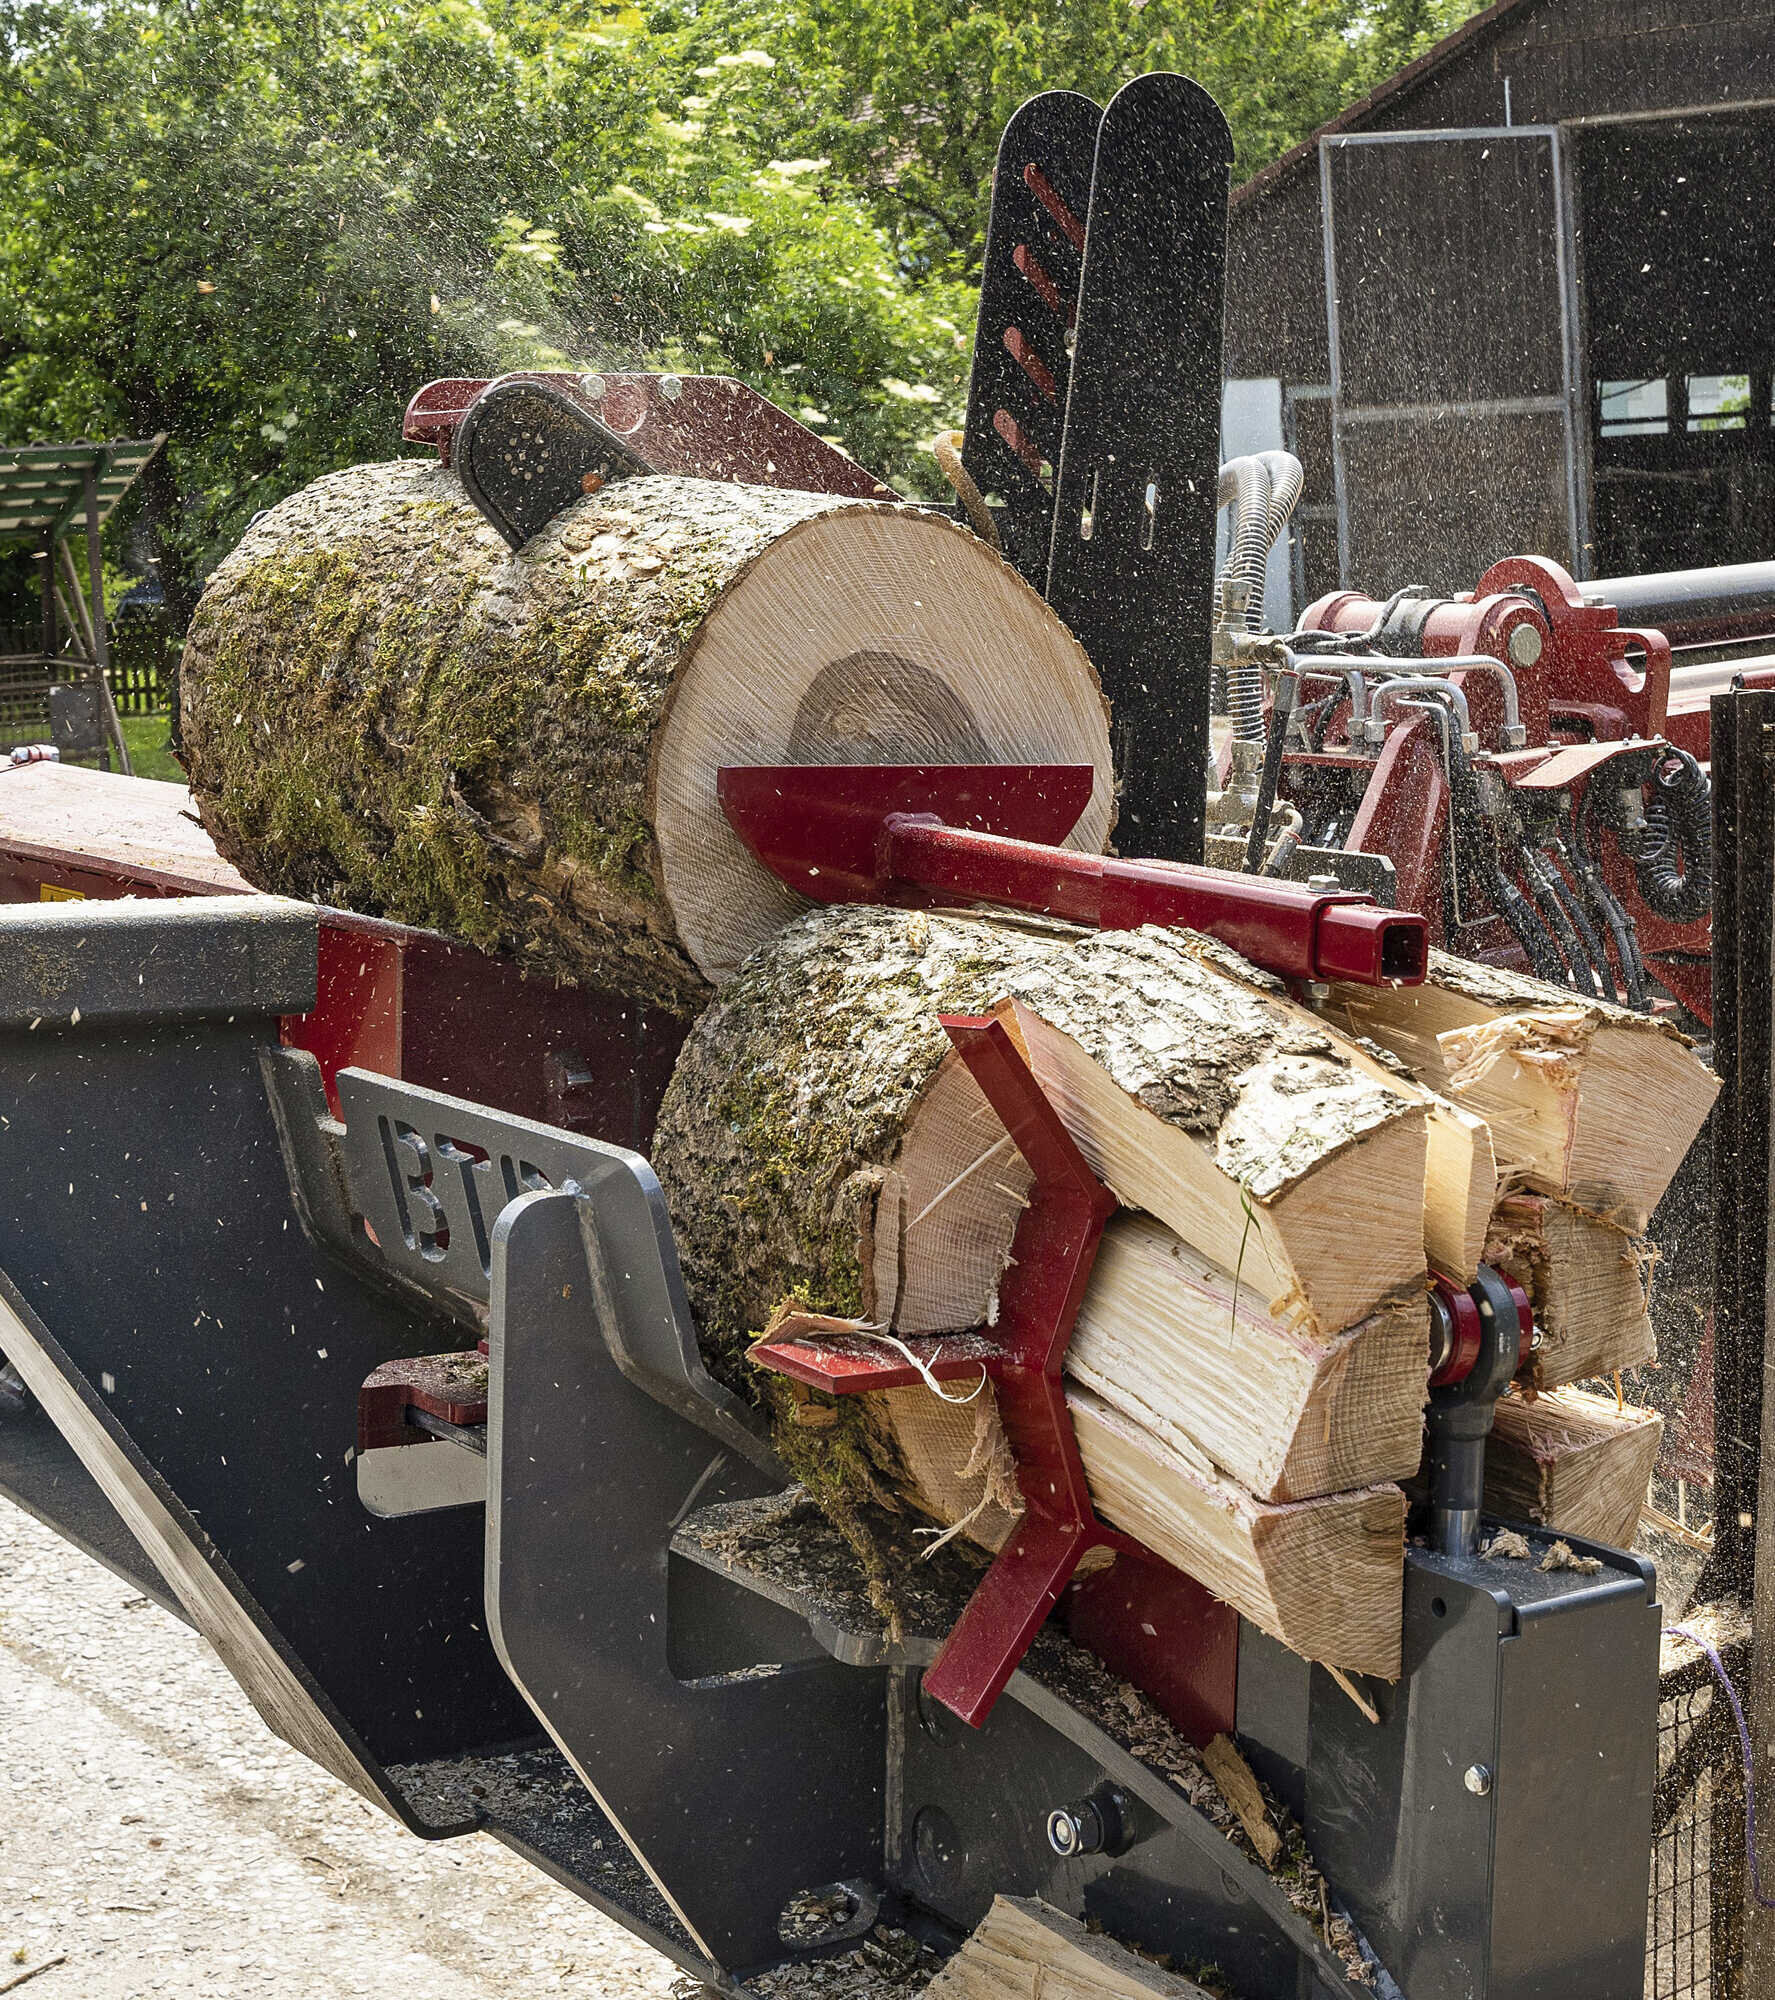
x: 385, y: 708
x: 821, y: 1141
x: 832, y: 1168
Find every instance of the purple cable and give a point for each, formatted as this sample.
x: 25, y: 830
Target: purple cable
x: 1750, y: 1794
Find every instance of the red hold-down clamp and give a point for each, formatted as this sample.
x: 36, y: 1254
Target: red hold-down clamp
x: 922, y: 835
x: 1457, y: 1330
x: 1051, y: 1259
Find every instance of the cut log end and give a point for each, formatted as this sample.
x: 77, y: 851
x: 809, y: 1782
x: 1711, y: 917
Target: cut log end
x: 384, y: 708
x: 1573, y: 1461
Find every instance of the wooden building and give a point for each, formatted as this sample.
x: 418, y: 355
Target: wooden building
x: 1521, y: 298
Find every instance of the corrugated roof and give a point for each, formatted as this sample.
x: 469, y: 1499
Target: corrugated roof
x: 1356, y: 117
x: 43, y: 486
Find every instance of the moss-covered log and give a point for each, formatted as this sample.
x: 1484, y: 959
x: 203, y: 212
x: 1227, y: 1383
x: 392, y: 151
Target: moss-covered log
x: 822, y: 1141
x: 385, y: 708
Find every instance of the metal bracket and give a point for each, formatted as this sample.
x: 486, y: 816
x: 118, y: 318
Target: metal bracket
x: 408, y: 1190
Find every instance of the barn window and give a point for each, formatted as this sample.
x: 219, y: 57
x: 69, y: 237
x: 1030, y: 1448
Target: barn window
x: 1634, y: 409
x: 1719, y: 402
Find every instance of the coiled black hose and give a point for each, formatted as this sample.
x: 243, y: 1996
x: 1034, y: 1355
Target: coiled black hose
x: 1674, y: 865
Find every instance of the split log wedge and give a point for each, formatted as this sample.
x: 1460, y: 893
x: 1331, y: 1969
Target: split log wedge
x: 1572, y: 1461
x: 1163, y: 1337
x: 1588, y: 1101
x: 1324, y: 1576
x: 1022, y: 1949
x: 1587, y: 1282
x: 386, y: 709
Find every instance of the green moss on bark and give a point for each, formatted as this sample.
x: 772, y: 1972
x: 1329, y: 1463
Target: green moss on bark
x: 794, y: 1092
x: 386, y: 709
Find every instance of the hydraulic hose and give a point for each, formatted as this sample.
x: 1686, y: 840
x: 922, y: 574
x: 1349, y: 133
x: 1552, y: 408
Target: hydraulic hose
x: 1508, y: 900
x: 1577, y: 976
x: 1679, y: 823
x: 1538, y: 947
x: 1614, y: 914
x: 1575, y: 915
x: 1572, y: 902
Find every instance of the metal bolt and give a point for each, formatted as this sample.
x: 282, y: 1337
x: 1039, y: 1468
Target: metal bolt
x: 671, y: 387
x: 1100, y: 1824
x: 592, y: 385
x: 1526, y: 644
x: 1478, y: 1781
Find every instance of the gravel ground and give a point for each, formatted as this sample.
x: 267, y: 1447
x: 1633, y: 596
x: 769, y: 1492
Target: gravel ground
x: 159, y: 1841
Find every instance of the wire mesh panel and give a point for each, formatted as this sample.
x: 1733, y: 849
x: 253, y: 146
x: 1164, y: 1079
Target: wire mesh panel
x: 1697, y: 1878
x: 1451, y: 356
x: 24, y: 700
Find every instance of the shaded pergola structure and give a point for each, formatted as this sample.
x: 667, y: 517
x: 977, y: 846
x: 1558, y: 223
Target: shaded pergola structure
x: 47, y: 493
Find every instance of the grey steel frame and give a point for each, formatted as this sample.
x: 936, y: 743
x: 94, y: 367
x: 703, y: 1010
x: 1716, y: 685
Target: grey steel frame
x: 1566, y: 406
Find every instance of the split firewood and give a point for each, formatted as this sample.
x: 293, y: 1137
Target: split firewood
x: 1324, y: 1576
x: 1168, y: 1339
x: 1572, y: 1461
x: 1460, y: 1170
x: 821, y: 1143
x: 385, y: 708
x: 1024, y: 1950
x: 1588, y: 1101
x: 1242, y: 1792
x: 822, y: 1140
x: 1587, y: 1282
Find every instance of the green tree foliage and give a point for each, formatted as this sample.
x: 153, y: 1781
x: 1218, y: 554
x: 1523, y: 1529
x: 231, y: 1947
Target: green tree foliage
x: 258, y: 225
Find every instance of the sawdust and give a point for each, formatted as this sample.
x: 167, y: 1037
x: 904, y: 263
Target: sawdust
x: 887, y: 1965
x: 1506, y: 1544
x: 1563, y: 1556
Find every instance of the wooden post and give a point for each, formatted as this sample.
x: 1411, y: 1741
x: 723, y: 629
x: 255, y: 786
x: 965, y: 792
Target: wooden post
x: 95, y: 570
x: 51, y: 631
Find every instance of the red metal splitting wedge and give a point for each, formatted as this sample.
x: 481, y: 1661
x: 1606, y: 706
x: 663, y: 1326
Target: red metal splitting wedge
x: 929, y: 834
x: 1051, y: 1259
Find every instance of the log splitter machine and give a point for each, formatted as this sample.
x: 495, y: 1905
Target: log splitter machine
x: 348, y: 1315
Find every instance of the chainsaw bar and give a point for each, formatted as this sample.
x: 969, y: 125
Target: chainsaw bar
x: 1029, y: 293
x: 1132, y: 557
x: 525, y: 451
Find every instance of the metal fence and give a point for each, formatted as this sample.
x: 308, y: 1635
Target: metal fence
x: 141, y: 675
x: 1693, y: 1939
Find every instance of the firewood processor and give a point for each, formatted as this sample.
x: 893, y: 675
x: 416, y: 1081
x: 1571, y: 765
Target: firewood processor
x: 341, y: 1305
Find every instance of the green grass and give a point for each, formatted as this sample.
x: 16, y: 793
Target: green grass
x: 148, y: 753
